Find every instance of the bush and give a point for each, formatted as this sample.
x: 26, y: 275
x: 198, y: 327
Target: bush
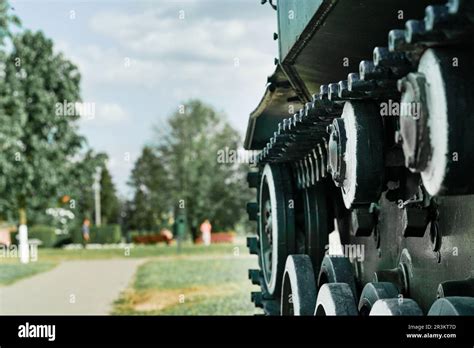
x: 63, y: 240
x: 76, y: 235
x: 219, y: 237
x: 106, y: 234
x: 45, y: 234
x: 131, y: 235
x: 13, y: 237
x: 149, y: 237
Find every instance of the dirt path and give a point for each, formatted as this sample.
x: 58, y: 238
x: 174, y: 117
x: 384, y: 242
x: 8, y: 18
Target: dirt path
x: 73, y: 287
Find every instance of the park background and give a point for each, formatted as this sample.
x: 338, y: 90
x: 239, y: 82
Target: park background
x: 117, y: 112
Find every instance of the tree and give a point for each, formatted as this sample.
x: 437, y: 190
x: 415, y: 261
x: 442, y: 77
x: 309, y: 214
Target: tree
x: 79, y: 184
x: 149, y: 206
x: 10, y: 128
x: 109, y: 202
x: 195, y: 180
x: 39, y: 141
x: 7, y: 20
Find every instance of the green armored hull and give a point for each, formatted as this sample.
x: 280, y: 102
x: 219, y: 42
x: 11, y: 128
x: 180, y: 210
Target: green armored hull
x: 364, y: 188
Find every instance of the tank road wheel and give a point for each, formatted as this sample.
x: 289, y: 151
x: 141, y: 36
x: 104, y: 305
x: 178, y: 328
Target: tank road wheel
x: 373, y: 292
x: 436, y: 126
x: 276, y: 224
x: 453, y: 305
x: 298, y: 294
x: 335, y: 299
x: 337, y: 290
x: 396, y: 307
x: 316, y: 222
x: 337, y: 269
x: 356, y: 153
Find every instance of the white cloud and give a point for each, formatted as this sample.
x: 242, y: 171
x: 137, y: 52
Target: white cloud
x: 161, y: 47
x: 111, y: 112
x: 153, y: 49
x: 106, y: 114
x: 170, y: 60
x: 152, y: 35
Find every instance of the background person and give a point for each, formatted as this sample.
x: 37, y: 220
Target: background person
x: 85, y: 232
x: 206, y: 228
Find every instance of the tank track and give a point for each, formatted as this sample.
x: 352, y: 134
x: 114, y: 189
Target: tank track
x: 302, y: 145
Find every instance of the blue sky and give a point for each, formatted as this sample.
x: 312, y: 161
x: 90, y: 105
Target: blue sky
x: 140, y: 59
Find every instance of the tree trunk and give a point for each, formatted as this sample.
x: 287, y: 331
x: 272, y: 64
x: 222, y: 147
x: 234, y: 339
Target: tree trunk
x: 22, y: 216
x: 194, y: 233
x: 23, y: 234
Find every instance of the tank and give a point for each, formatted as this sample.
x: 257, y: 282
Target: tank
x: 364, y: 180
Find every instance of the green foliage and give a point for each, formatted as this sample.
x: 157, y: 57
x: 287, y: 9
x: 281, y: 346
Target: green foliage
x: 45, y: 234
x: 80, y: 189
x: 7, y: 20
x: 106, y: 234
x: 80, y: 185
x: 110, y: 204
x: 38, y: 144
x: 13, y: 237
x: 182, y: 170
x: 150, y: 202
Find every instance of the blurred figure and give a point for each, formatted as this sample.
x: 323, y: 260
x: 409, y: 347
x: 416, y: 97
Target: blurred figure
x: 167, y: 235
x: 85, y: 232
x: 206, y: 228
x: 5, y: 230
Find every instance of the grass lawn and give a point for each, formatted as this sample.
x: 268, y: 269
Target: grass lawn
x: 198, y: 281
x: 11, y: 272
x: 136, y: 251
x: 191, y: 285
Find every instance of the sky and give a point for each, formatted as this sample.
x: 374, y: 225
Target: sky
x: 141, y: 59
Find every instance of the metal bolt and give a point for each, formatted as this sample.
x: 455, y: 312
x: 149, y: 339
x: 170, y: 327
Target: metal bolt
x: 329, y: 129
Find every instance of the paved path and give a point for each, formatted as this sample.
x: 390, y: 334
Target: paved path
x: 72, y: 287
